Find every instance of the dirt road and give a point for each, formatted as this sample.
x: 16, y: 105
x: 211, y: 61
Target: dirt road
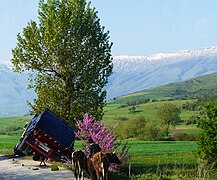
x: 27, y: 169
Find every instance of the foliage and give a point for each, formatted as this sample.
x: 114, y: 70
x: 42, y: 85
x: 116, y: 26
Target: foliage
x: 142, y: 129
x: 181, y: 136
x: 135, y: 127
x: 68, y: 57
x: 101, y: 134
x: 169, y: 114
x: 207, y: 142
x: 54, y: 167
x: 189, y: 106
x: 152, y: 132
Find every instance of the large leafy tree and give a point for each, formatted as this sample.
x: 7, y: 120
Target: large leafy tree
x: 169, y: 116
x: 68, y: 56
x: 207, y: 142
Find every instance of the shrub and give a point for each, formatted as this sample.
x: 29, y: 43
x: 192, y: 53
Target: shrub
x: 151, y: 132
x: 132, y: 109
x: 180, y: 136
x: 54, y: 167
x: 142, y: 129
x: 135, y: 127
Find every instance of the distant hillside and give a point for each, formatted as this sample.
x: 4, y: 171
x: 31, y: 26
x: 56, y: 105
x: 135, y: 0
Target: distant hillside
x: 192, y: 88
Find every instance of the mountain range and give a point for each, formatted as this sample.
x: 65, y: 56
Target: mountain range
x: 135, y: 73
x: 130, y: 74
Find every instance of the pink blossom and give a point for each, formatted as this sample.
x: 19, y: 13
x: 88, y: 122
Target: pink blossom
x: 103, y: 135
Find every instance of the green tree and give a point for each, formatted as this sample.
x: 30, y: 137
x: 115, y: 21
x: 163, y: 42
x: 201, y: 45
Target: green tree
x: 169, y: 114
x: 152, y: 132
x: 135, y: 127
x: 141, y: 128
x: 207, y: 142
x: 68, y: 56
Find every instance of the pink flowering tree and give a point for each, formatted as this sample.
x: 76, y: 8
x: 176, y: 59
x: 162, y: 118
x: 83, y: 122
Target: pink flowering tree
x: 175, y: 134
x: 102, y: 135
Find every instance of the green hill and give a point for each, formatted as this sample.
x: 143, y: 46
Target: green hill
x: 189, y: 89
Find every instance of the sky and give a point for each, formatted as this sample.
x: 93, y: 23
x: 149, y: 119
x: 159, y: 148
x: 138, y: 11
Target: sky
x: 137, y: 27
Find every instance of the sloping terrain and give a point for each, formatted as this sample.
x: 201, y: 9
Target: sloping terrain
x: 192, y: 88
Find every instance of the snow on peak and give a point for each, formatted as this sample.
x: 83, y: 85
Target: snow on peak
x: 172, y: 55
x: 134, y: 63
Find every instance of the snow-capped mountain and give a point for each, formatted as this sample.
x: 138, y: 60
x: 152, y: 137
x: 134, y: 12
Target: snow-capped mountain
x: 130, y: 74
x: 134, y: 73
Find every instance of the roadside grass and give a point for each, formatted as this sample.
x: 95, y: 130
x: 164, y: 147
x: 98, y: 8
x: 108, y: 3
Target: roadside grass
x: 7, y: 143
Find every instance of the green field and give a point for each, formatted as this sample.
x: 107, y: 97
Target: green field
x: 116, y: 113
x: 157, y: 160
x: 7, y: 143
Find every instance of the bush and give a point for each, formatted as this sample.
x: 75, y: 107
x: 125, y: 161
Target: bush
x: 132, y: 109
x: 180, y: 136
x: 142, y: 129
x: 151, y: 133
x: 54, y: 167
x: 135, y: 127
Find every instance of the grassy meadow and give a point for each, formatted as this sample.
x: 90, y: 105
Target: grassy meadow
x: 117, y: 113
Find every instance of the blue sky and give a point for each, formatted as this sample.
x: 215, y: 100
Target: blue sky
x: 137, y: 27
